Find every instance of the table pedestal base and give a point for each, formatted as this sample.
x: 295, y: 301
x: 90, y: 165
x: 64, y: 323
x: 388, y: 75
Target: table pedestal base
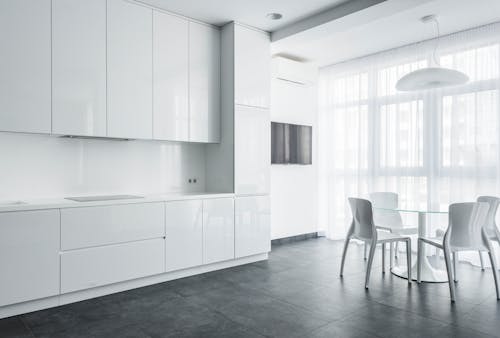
x: 429, y: 273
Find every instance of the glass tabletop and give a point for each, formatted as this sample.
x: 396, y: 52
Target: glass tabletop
x: 421, y: 211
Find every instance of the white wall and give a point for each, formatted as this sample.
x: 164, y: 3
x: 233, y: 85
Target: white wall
x: 38, y: 166
x: 294, y: 187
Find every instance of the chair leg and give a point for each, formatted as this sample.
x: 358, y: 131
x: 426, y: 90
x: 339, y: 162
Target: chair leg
x: 391, y: 255
x: 447, y: 259
x: 481, y: 259
x: 419, y: 260
x: 455, y: 260
x: 369, y: 265
x: 396, y: 250
x: 494, y: 268
x: 383, y: 257
x: 344, y: 252
x: 365, y: 251
x: 408, y: 259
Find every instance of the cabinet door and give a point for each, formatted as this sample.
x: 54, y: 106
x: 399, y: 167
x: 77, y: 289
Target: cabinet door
x: 79, y: 67
x: 218, y: 230
x: 130, y: 70
x: 251, y: 67
x: 92, y: 267
x: 204, y: 83
x: 252, y: 150
x: 93, y: 226
x: 184, y: 234
x: 25, y: 79
x: 170, y: 78
x: 252, y: 225
x: 29, y: 255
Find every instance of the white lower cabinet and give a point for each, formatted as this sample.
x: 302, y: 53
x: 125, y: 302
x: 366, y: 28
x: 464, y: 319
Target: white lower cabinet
x: 184, y: 234
x: 252, y: 225
x: 88, y: 268
x: 218, y: 230
x: 29, y: 255
x: 94, y: 226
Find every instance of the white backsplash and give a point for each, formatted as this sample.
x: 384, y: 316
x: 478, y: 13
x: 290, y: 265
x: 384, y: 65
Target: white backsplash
x: 40, y: 166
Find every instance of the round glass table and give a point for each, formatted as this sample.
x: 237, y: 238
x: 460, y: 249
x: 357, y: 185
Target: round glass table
x: 429, y: 273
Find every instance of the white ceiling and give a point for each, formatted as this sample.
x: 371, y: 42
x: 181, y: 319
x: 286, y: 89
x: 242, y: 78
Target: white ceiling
x: 250, y: 12
x: 385, y: 26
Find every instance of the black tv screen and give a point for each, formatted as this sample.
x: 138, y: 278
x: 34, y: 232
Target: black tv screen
x: 291, y: 143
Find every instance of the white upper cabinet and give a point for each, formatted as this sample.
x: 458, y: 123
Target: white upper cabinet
x: 25, y: 80
x: 29, y: 255
x: 170, y: 78
x: 204, y: 83
x: 252, y: 154
x: 218, y: 230
x: 251, y: 67
x: 79, y: 67
x: 130, y: 70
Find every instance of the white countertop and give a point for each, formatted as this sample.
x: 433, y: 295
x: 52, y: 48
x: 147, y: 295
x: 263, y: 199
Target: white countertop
x: 59, y: 203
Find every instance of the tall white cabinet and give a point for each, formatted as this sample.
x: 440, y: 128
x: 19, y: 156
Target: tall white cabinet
x: 79, y: 67
x: 25, y: 58
x: 130, y: 70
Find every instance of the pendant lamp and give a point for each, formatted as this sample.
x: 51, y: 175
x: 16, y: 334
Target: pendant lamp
x: 431, y: 77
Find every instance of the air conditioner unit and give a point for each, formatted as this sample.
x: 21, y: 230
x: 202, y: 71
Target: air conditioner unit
x: 294, y: 71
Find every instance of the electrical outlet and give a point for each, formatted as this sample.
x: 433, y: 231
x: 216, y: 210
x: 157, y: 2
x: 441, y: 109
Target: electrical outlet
x: 190, y: 180
x: 194, y: 180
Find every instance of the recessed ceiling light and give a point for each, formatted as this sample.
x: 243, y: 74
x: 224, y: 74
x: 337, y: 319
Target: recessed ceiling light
x: 274, y: 16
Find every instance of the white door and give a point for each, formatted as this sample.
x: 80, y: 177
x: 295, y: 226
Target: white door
x: 25, y: 79
x: 252, y: 68
x: 218, y: 230
x: 130, y: 70
x: 252, y: 151
x: 29, y: 255
x: 204, y: 83
x: 183, y: 234
x: 170, y: 78
x: 79, y: 67
x: 252, y: 225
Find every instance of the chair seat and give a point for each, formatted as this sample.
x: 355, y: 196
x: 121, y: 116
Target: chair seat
x: 384, y: 236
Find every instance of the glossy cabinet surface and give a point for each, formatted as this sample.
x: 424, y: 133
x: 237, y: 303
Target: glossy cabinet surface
x: 252, y: 150
x: 252, y: 225
x: 29, y: 255
x: 92, y: 267
x: 184, y: 234
x: 25, y: 76
x: 93, y: 226
x: 170, y: 77
x: 204, y: 83
x: 79, y: 67
x: 218, y: 230
x: 252, y: 79
x: 130, y: 70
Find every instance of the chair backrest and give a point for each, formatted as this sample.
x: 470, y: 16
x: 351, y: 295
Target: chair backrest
x: 386, y: 217
x: 490, y: 223
x: 465, y: 228
x: 362, y: 218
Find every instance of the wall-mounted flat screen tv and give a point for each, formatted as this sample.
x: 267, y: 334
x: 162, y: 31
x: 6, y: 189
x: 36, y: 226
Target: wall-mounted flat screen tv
x: 291, y: 143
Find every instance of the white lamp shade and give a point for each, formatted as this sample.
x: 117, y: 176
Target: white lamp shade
x: 432, y: 77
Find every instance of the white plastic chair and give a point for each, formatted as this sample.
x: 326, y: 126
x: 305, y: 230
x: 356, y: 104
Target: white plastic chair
x: 490, y: 225
x: 388, y: 218
x: 465, y: 233
x: 363, y: 228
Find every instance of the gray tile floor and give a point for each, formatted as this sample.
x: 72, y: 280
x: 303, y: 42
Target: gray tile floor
x: 297, y: 293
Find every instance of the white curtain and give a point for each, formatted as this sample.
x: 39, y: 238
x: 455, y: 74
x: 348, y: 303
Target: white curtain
x: 432, y: 147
